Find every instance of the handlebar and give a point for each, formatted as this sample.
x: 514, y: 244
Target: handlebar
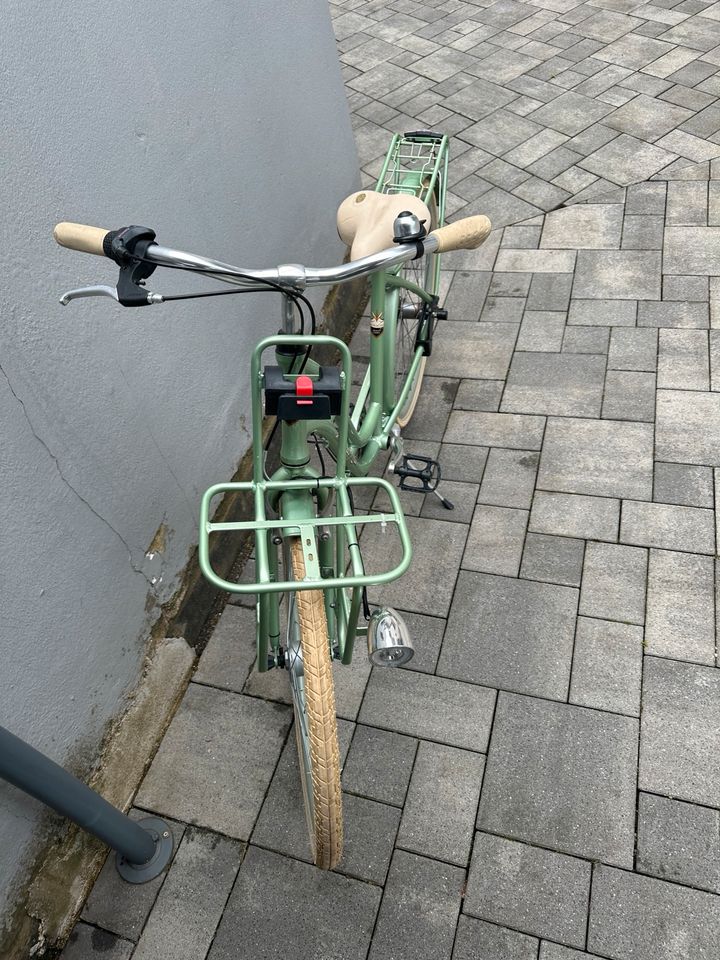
x: 464, y: 234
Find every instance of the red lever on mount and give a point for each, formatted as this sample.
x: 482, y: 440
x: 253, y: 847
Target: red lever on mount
x: 304, y: 388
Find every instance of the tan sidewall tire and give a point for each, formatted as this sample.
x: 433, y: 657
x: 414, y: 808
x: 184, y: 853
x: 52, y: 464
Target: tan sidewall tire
x: 325, y: 821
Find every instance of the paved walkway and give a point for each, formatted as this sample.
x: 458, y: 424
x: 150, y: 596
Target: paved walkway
x: 544, y: 782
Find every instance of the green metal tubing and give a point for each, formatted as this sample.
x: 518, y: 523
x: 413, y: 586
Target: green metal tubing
x: 264, y: 583
x: 256, y: 391
x: 393, y: 143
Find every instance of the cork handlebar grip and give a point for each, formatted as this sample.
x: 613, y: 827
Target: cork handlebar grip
x: 78, y: 236
x: 466, y: 234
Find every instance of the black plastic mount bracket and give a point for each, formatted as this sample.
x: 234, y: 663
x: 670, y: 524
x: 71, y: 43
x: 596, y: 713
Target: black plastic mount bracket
x: 429, y: 315
x: 128, y: 247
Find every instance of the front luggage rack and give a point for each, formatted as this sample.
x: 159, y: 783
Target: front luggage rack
x: 306, y: 529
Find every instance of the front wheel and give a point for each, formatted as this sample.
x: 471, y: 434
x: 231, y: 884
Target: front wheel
x: 311, y: 681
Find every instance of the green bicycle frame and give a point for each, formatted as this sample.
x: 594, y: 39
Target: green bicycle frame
x: 319, y: 509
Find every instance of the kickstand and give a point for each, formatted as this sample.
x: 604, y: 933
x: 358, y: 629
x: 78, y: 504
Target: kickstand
x: 443, y: 500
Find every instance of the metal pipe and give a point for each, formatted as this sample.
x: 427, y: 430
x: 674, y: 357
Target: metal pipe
x: 42, y: 778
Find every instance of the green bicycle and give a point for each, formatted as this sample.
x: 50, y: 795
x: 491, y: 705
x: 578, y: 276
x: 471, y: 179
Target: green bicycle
x: 307, y: 551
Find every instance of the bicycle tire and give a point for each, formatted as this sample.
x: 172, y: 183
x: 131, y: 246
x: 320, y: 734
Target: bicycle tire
x: 421, y: 272
x: 311, y: 682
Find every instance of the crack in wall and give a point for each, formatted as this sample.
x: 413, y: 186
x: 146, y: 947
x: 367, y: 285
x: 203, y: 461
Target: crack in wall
x: 69, y: 485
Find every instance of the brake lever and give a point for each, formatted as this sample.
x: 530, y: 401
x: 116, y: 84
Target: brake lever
x: 102, y: 290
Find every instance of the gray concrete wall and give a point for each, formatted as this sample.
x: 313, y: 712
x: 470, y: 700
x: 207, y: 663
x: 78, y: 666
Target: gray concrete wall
x: 223, y: 125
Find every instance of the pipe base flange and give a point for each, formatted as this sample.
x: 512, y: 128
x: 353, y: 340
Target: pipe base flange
x: 142, y: 872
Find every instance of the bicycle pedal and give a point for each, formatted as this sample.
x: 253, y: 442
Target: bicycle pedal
x: 420, y: 474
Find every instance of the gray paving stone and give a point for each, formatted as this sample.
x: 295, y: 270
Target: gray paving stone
x: 87, y: 942
x: 119, y: 907
x: 688, y: 427
x: 464, y: 463
x: 478, y: 350
x: 550, y: 291
x: 503, y: 310
x: 477, y: 939
x: 553, y: 951
x: 633, y: 349
x: 584, y: 226
x: 379, y: 765
x: 691, y: 250
x: 635, y: 916
x: 608, y: 313
x: 646, y: 198
x: 570, y: 113
x: 534, y: 891
x: 442, y: 831
x: 586, y: 340
x: 216, y: 760
x: 679, y: 842
x: 680, y: 622
x: 231, y: 650
x: 478, y: 99
x: 419, y: 911
x: 552, y: 559
x: 433, y: 409
x: 681, y: 483
x: 544, y: 195
x: 510, y: 284
x: 629, y: 396
x: 597, y: 457
x: 427, y: 586
x: 683, y: 360
x: 514, y: 634
x: 275, y: 894
x: 192, y: 899
x: 563, y: 777
x: 680, y: 731
x: 467, y: 293
x: 569, y: 515
x: 668, y: 526
x: 554, y: 384
x: 687, y: 203
x: 500, y: 132
x: 626, y: 160
x: 520, y: 237
x: 613, y: 586
x: 502, y: 207
x: 673, y: 314
x: 481, y: 395
x: 541, y: 331
x: 648, y: 118
x: 607, y: 666
x: 633, y: 51
x: 685, y: 288
x: 618, y: 274
x: 535, y: 261
x: 495, y: 430
x: 509, y: 478
x: 643, y: 233
x: 431, y: 708
x: 495, y: 540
